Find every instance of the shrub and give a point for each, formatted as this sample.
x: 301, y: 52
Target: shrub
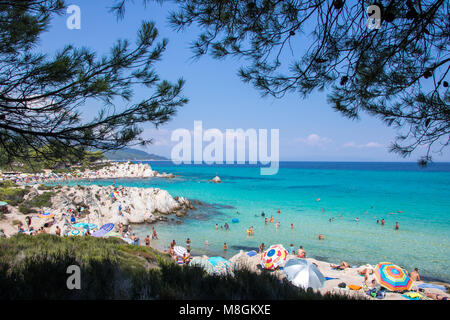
x: 34, y: 267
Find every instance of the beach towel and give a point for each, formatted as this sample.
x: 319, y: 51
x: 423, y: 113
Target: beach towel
x: 252, y: 253
x: 431, y: 286
x: 354, y: 287
x: 413, y: 296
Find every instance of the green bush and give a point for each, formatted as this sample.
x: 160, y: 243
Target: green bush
x: 34, y: 267
x: 13, y: 196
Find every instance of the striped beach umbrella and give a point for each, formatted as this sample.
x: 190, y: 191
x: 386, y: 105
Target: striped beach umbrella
x: 179, y: 251
x: 392, y: 277
x: 203, y: 263
x: 222, y: 268
x: 76, y: 232
x: 107, y: 227
x: 273, y: 257
x: 46, y: 215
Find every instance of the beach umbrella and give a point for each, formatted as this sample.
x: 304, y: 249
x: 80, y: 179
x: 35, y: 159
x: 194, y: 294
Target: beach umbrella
x: 221, y: 266
x: 80, y: 225
x: 203, y: 263
x: 45, y: 215
x: 90, y: 226
x: 76, y: 232
x: 303, y: 273
x: 99, y: 233
x: 273, y: 257
x: 113, y: 234
x: 107, y: 227
x: 392, y: 277
x: 179, y: 251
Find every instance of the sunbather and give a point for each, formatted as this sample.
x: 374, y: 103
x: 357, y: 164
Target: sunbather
x: 342, y: 266
x: 435, y: 296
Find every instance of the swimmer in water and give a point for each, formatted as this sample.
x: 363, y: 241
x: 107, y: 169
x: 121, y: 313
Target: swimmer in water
x: 206, y: 243
x: 263, y: 214
x: 279, y: 211
x: 396, y: 226
x: 271, y: 219
x: 320, y: 237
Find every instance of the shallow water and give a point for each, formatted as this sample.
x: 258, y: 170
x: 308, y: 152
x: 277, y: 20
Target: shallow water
x: 368, y: 191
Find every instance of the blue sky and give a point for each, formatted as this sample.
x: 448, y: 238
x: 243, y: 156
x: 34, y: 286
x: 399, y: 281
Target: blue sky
x: 309, y: 129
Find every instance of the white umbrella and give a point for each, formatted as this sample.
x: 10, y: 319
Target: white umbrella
x: 303, y: 273
x: 179, y: 251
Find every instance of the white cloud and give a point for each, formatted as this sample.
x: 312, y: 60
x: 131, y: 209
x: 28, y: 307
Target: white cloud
x: 372, y: 144
x: 314, y: 140
x: 161, y: 137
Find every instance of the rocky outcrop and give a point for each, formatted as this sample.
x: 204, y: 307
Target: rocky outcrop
x: 125, y: 205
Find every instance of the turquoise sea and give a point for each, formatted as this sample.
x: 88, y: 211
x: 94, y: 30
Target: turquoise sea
x: 417, y: 198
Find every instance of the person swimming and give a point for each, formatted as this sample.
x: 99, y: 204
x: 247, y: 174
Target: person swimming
x: 263, y: 214
x: 271, y: 219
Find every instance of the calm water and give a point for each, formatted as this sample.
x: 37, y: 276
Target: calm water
x: 419, y: 199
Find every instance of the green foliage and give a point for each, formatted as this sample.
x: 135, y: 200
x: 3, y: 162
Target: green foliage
x: 54, y: 88
x: 13, y: 196
x: 34, y: 267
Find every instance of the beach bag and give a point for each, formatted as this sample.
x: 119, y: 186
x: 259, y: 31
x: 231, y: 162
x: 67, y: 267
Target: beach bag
x: 342, y: 285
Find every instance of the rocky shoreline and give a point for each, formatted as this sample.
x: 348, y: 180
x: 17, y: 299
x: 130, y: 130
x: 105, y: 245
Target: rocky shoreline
x: 96, y: 204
